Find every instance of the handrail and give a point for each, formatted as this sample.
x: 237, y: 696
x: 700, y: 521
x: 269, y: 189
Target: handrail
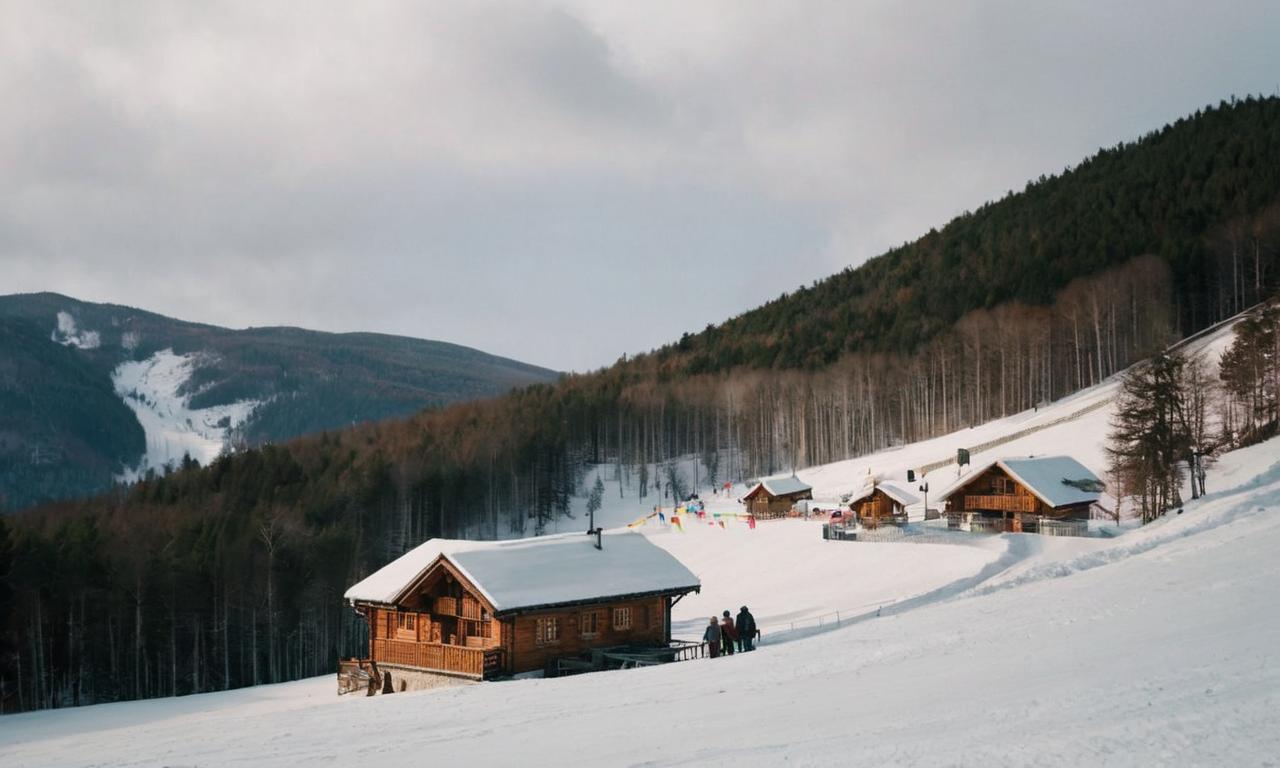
x: 439, y: 657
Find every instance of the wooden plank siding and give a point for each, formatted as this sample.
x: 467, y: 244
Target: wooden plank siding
x: 875, y: 509
x: 648, y: 627
x: 458, y: 634
x: 456, y: 640
x: 1001, y: 503
x: 765, y: 507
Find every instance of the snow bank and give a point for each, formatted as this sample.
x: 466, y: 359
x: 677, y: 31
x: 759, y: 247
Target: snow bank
x: 790, y: 577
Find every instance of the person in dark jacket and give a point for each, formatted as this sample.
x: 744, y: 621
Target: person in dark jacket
x: 712, y: 638
x: 746, y: 627
x: 728, y: 634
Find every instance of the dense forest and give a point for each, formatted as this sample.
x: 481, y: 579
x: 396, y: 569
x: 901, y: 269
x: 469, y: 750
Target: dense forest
x: 1200, y: 194
x: 232, y: 574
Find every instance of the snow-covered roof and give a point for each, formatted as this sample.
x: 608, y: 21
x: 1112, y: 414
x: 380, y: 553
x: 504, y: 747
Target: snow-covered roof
x: 542, y: 571
x: 782, y: 486
x: 1053, y: 479
x: 899, y: 492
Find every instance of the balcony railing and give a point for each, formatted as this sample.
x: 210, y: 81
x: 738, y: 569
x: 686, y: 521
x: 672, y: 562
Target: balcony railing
x: 438, y: 657
x: 1000, y: 503
x: 470, y: 608
x: 467, y: 607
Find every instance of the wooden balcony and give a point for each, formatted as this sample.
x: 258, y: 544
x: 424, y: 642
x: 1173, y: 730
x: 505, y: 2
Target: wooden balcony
x: 439, y: 657
x: 467, y: 607
x: 1000, y: 503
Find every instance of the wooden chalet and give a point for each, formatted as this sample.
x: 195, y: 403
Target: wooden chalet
x: 1048, y: 494
x: 490, y: 609
x: 882, y: 503
x: 775, y: 498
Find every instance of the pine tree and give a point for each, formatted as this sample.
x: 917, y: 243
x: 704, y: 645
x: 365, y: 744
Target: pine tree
x: 1149, y: 435
x: 596, y: 499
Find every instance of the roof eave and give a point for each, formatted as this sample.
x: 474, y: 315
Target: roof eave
x: 516, y: 611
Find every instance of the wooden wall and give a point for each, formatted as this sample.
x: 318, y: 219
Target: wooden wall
x: 648, y: 627
x: 764, y: 506
x: 865, y: 507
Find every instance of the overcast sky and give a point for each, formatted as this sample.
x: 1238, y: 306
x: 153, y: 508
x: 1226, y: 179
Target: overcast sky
x: 557, y: 182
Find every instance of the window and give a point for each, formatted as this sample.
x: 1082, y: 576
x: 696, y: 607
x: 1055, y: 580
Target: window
x: 406, y: 626
x: 1001, y: 485
x: 622, y: 618
x: 547, y: 631
x: 589, y: 624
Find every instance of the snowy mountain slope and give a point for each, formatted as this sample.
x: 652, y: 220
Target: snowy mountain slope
x: 804, y: 569
x: 1165, y: 652
x: 788, y: 575
x: 1075, y: 425
x: 153, y: 388
x: 63, y: 362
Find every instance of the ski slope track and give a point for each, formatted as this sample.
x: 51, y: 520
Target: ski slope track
x: 1157, y: 646
x: 153, y: 389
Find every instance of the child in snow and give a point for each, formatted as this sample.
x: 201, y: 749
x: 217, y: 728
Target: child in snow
x: 712, y: 638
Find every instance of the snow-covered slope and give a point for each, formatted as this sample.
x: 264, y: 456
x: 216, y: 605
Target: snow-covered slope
x: 1160, y: 647
x: 1076, y: 425
x: 152, y: 388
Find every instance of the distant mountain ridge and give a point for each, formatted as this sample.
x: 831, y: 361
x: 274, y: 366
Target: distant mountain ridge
x: 79, y: 380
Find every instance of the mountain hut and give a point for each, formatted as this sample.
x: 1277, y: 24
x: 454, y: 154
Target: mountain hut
x: 1047, y: 494
x: 480, y: 610
x: 775, y: 498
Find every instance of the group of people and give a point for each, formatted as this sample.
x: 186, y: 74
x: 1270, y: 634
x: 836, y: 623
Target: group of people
x: 724, y: 635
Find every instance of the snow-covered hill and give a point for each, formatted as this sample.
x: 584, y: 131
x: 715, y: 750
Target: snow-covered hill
x: 1076, y: 425
x: 1160, y: 646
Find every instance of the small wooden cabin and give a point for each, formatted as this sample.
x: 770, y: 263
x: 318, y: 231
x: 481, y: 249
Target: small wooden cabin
x: 1018, y: 495
x: 775, y: 498
x: 882, y: 503
x: 490, y: 609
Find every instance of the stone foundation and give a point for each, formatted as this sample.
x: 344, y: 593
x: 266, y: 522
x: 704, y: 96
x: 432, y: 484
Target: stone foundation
x: 410, y: 679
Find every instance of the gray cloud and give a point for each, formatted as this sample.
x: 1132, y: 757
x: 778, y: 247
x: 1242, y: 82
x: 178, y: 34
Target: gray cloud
x: 558, y: 182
